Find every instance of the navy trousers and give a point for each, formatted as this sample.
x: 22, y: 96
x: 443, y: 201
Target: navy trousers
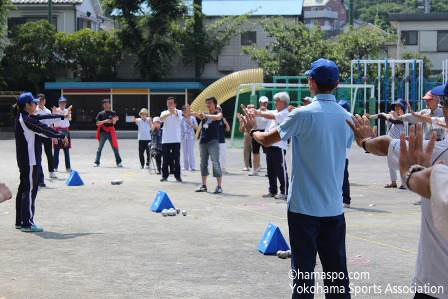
x: 26, y: 195
x: 325, y: 236
x: 346, y: 185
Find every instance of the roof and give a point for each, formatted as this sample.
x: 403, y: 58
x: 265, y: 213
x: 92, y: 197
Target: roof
x: 311, y: 3
x: 435, y: 16
x: 165, y: 86
x: 46, y: 1
x: 259, y: 7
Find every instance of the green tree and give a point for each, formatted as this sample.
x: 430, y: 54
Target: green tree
x: 30, y: 56
x: 93, y: 55
x: 364, y: 43
x: 427, y: 64
x: 379, y: 13
x: 151, y: 33
x: 202, y: 44
x: 292, y: 50
x: 4, y: 11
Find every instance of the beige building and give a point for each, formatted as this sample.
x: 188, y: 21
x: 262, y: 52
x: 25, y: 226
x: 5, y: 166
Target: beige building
x: 68, y: 15
x: 328, y: 14
x: 424, y: 33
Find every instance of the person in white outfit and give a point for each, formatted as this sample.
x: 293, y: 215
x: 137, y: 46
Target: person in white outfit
x: 261, y: 124
x: 394, y: 129
x: 144, y: 123
x: 62, y: 126
x: 188, y: 126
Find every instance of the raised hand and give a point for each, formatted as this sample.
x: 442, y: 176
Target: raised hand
x: 442, y: 124
x: 249, y: 119
x: 54, y: 110
x: 362, y: 129
x: 414, y: 153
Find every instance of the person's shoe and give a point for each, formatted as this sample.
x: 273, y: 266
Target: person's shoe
x: 417, y: 203
x: 253, y: 173
x: 119, y: 165
x: 346, y: 205
x: 163, y: 179
x: 192, y: 169
x: 141, y: 167
x: 218, y: 190
x: 203, y: 188
x: 246, y: 169
x: 96, y: 165
x: 268, y: 195
x: 18, y: 226
x: 53, y: 176
x: 402, y: 187
x: 42, y: 185
x: 32, y: 229
x: 179, y: 180
x: 390, y: 186
x: 69, y: 169
x: 281, y: 196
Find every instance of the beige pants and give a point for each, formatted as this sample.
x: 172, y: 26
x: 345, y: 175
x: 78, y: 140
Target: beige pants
x: 247, y: 149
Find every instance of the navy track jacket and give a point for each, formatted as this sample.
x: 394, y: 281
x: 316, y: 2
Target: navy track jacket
x: 28, y: 130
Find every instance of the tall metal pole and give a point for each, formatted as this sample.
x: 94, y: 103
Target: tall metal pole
x: 352, y: 13
x: 50, y: 11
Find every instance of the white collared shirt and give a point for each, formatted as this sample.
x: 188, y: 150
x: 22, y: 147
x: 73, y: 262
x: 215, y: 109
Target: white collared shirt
x: 171, y: 127
x: 273, y: 124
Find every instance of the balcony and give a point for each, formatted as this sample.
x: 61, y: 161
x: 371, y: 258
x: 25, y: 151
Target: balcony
x: 321, y: 14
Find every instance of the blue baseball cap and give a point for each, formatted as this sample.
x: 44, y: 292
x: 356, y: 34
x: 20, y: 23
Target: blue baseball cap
x: 441, y: 90
x: 62, y: 99
x: 344, y: 105
x: 400, y: 102
x: 324, y: 71
x: 25, y: 98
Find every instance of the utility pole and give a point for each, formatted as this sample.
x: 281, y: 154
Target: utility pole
x: 50, y: 11
x: 351, y: 12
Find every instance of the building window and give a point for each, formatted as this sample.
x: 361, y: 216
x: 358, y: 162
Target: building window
x: 342, y: 11
x: 409, y: 38
x: 314, y: 8
x: 336, y: 24
x: 83, y: 23
x: 327, y: 23
x: 248, y: 38
x: 328, y: 8
x: 442, y: 41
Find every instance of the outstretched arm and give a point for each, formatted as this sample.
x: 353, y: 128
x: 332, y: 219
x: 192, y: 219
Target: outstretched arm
x: 366, y: 136
x: 264, y: 138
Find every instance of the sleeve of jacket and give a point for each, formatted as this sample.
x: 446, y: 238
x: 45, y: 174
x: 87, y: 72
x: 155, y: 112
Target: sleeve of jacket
x: 40, y: 128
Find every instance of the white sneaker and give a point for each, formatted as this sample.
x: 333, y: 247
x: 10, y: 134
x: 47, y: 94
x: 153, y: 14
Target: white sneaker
x: 253, y: 173
x: 119, y: 165
x: 347, y: 205
x: 53, y: 176
x: 281, y: 196
x: 246, y: 169
x: 96, y: 165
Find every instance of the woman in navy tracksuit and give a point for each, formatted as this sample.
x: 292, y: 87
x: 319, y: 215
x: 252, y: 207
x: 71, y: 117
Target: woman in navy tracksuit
x: 28, y: 130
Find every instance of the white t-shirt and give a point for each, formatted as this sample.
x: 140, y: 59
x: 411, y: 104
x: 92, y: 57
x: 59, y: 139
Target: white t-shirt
x: 273, y: 124
x: 432, y: 259
x: 144, y: 129
x: 439, y: 199
x: 171, y: 127
x: 261, y: 121
x: 63, y: 123
x: 49, y: 121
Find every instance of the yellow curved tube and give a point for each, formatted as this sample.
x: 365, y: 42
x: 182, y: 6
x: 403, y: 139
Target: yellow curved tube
x: 225, y: 88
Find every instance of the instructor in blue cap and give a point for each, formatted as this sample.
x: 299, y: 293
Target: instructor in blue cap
x: 29, y: 151
x: 320, y: 137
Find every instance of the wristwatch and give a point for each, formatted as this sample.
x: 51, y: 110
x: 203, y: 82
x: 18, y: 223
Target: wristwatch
x: 363, y: 142
x: 412, y: 169
x: 251, y: 133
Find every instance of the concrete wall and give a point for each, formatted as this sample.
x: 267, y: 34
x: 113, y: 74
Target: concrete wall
x: 230, y: 60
